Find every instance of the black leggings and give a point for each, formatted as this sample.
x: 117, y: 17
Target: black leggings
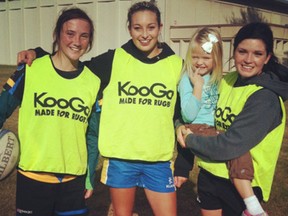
x: 219, y: 193
x: 34, y: 198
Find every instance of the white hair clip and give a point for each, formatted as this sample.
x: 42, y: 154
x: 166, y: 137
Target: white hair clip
x: 207, y: 46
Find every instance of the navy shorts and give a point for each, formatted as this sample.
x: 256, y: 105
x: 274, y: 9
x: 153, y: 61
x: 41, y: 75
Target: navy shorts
x: 155, y: 176
x: 219, y: 193
x: 34, y: 198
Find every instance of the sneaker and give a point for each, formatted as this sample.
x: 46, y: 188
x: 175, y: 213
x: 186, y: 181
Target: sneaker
x: 246, y: 213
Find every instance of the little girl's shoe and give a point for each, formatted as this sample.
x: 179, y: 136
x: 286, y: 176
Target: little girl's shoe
x: 246, y: 213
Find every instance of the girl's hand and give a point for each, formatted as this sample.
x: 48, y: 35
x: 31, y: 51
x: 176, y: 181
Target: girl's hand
x: 197, y: 82
x: 88, y: 194
x: 182, y: 132
x: 179, y: 180
x: 197, y: 79
x: 180, y: 136
x: 26, y: 56
x: 186, y: 132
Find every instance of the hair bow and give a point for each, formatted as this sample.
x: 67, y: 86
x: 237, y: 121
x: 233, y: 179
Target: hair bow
x: 207, y: 46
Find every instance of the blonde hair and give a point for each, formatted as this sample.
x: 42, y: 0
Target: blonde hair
x: 199, y: 38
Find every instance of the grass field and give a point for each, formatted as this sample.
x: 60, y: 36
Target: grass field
x: 99, y: 203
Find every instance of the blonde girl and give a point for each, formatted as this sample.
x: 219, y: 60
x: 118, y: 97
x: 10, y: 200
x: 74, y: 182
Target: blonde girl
x: 198, y: 89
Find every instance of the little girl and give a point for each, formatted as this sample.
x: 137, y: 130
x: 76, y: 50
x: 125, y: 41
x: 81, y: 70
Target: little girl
x: 198, y: 89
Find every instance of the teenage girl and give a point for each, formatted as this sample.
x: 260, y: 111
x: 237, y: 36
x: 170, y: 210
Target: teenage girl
x: 136, y: 137
x: 202, y: 74
x: 56, y: 96
x: 250, y: 110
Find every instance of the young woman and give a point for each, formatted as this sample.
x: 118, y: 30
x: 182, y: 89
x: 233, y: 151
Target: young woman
x: 250, y: 110
x: 140, y: 100
x: 198, y: 90
x: 136, y: 137
x: 55, y: 95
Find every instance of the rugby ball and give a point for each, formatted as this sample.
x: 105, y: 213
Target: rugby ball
x: 9, y: 152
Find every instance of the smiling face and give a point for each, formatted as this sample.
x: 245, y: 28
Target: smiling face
x: 74, y: 39
x: 250, y: 57
x: 202, y: 62
x: 144, y: 30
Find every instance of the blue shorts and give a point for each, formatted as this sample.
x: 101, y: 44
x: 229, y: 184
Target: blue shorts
x: 155, y: 176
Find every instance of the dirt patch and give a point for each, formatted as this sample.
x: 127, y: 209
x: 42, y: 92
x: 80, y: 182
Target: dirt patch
x: 187, y: 206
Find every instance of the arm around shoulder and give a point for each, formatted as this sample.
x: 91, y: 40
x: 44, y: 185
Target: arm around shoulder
x: 92, y: 148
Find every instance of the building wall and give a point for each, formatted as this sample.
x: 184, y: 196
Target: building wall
x: 185, y: 16
x: 29, y: 23
x: 203, y: 12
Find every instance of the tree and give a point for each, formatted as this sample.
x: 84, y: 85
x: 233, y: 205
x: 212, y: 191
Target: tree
x: 247, y: 16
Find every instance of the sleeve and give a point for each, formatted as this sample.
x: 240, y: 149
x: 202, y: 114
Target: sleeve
x: 185, y: 158
x: 247, y: 130
x: 12, y: 93
x: 190, y: 105
x: 8, y: 103
x: 92, y: 147
x: 177, y: 109
x: 40, y: 52
x: 184, y: 162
